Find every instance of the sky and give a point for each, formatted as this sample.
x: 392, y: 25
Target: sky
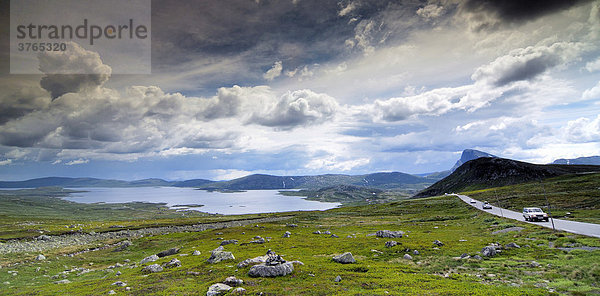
x: 305, y: 87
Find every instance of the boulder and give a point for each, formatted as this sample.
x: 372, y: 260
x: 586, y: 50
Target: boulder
x: 338, y: 279
x: 218, y: 255
x: 230, y: 241
x: 344, y: 258
x: 327, y: 232
x: 465, y: 256
x: 238, y: 291
x: 488, y: 251
x: 512, y: 245
x: 173, y: 263
x: 534, y: 264
x: 263, y: 270
x: 217, y: 289
x: 152, y: 268
x: 258, y: 240
x: 415, y: 252
x: 407, y: 257
x: 390, y: 244
x: 169, y: 252
x: 196, y: 253
x: 233, y: 281
x: 389, y: 234
x: 65, y: 281
x: 317, y: 232
x: 44, y: 237
x: 438, y: 243
x: 40, y: 257
x: 287, y: 234
x: 151, y: 258
x: 334, y: 236
x: 476, y: 257
x: 252, y: 261
x: 119, y: 283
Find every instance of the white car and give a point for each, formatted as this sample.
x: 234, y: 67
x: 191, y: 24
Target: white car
x: 534, y: 214
x: 486, y: 205
x: 473, y: 201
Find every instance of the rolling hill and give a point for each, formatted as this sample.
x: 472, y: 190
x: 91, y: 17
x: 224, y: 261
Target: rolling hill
x: 489, y: 172
x: 393, y: 180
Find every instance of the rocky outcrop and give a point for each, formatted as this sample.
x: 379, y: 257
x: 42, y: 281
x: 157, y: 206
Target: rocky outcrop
x: 150, y: 258
x: 489, y: 251
x: 169, y: 252
x: 389, y: 234
x: 152, y: 268
x: 263, y: 270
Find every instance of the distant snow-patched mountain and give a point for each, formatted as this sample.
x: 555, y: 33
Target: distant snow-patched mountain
x: 593, y: 160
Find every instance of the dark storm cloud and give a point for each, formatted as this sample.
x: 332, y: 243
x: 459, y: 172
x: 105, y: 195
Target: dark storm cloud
x: 528, y: 69
x: 259, y: 33
x: 520, y: 10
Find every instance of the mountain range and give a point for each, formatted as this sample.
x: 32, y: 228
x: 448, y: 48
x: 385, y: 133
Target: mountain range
x: 593, y: 160
x: 474, y: 169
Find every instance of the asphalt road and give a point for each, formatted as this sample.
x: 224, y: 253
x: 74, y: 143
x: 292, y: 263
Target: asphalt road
x: 588, y: 229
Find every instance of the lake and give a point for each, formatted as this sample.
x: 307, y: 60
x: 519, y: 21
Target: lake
x: 249, y: 202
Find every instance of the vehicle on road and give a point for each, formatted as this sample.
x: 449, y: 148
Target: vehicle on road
x: 534, y: 214
x: 486, y: 205
x: 473, y: 201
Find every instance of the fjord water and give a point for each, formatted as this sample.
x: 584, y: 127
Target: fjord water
x: 248, y: 202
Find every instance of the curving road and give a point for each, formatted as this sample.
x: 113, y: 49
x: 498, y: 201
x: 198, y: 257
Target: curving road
x: 588, y: 229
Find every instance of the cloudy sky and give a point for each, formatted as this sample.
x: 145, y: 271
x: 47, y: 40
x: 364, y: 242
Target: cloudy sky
x: 294, y: 87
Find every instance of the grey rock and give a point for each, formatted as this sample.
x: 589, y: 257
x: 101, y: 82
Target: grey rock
x: 263, y: 270
x: 338, y: 279
x: 438, y: 243
x: 196, y: 253
x: 65, y: 281
x: 119, y: 284
x: 415, y: 252
x: 252, y: 261
x: 238, y: 291
x: 344, y: 258
x: 287, y: 234
x: 317, y: 232
x: 229, y: 241
x: 334, y: 236
x: 407, y: 257
x: 173, y: 263
x: 217, y: 289
x: 112, y: 292
x: 534, y: 264
x: 477, y: 257
x: 123, y: 245
x: 390, y: 244
x: 465, y: 256
x: 152, y: 268
x: 169, y: 252
x: 44, y: 237
x: 233, y: 281
x: 489, y: 251
x: 151, y: 258
x: 389, y: 234
x: 40, y: 257
x: 327, y: 232
x: 259, y: 240
x: 512, y: 245
x: 218, y: 255
x: 291, y: 225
